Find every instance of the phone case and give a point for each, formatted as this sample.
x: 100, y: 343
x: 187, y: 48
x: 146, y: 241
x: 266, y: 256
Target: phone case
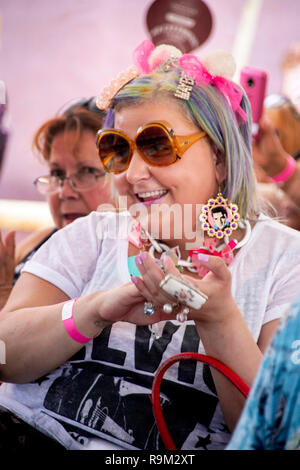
x: 183, y: 291
x: 254, y: 82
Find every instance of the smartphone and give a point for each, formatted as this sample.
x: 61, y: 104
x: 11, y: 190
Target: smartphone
x: 184, y: 292
x: 254, y: 82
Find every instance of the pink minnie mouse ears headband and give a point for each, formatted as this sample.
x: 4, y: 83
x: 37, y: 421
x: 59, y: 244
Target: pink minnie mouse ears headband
x: 216, y: 69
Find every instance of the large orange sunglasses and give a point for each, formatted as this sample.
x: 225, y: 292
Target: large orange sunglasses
x: 155, y: 142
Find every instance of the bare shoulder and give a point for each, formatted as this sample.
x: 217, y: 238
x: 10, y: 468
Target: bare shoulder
x: 30, y: 242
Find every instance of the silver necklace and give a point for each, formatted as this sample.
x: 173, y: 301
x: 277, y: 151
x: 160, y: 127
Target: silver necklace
x: 162, y: 248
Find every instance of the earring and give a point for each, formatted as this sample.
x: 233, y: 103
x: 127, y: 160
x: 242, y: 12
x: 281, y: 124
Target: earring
x: 218, y: 218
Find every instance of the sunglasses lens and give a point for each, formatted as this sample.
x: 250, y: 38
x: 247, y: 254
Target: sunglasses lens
x: 114, y: 152
x: 155, y: 144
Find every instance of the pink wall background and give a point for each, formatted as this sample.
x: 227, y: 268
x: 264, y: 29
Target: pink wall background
x: 54, y: 51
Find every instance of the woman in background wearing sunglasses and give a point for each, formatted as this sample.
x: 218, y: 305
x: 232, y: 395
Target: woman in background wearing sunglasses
x: 177, y: 139
x: 74, y: 186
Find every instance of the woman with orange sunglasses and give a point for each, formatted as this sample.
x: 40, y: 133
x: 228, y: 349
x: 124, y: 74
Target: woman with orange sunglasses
x: 109, y: 298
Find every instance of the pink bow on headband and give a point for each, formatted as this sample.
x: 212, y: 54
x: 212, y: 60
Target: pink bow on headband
x: 226, y: 253
x: 141, y: 55
x: 193, y: 68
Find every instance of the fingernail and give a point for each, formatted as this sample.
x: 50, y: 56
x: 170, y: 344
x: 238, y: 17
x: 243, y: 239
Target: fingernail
x: 143, y: 256
x: 203, y: 257
x: 134, y: 280
x: 138, y: 260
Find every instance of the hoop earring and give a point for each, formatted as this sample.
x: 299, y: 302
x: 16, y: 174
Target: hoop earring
x: 218, y: 217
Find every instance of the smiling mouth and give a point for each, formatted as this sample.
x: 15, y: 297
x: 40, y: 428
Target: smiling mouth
x: 151, y: 196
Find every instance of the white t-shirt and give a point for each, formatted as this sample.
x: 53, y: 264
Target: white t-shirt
x: 102, y: 392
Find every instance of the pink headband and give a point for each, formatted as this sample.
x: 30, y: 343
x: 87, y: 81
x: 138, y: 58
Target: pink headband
x: 147, y: 58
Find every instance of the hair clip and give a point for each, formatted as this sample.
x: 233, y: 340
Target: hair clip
x: 184, y: 87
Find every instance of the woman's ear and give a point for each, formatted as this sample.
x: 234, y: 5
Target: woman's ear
x: 221, y: 172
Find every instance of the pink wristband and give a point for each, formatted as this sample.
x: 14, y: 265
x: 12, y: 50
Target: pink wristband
x: 67, y: 317
x: 287, y: 172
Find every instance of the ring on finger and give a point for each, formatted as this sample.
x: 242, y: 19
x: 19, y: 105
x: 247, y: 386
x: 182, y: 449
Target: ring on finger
x: 149, y: 309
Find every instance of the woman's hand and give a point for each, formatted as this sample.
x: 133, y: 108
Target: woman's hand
x: 125, y: 303
x: 216, y: 285
x: 268, y: 152
x: 7, y: 265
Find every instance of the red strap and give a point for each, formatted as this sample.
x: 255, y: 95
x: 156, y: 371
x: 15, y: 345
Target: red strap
x: 159, y: 418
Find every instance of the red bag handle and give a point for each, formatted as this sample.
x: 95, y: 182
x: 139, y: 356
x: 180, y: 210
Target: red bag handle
x: 157, y: 411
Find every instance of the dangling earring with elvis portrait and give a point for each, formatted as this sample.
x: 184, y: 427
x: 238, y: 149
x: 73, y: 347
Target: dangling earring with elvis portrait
x: 218, y: 217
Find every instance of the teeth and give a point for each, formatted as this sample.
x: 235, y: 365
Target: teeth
x: 152, y: 193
